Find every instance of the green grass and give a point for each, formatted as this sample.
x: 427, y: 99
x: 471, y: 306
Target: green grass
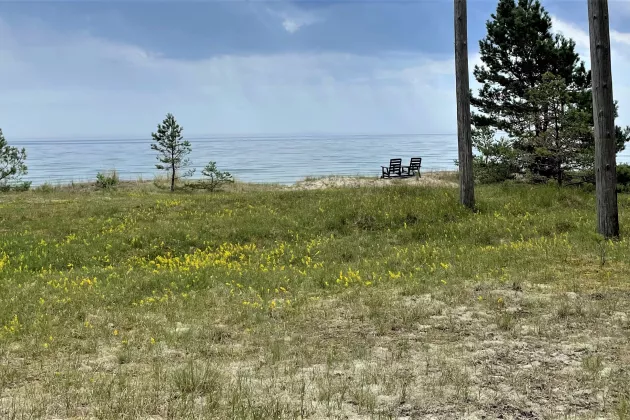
x: 273, y: 304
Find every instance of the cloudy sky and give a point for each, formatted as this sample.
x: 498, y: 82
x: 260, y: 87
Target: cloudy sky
x: 115, y: 68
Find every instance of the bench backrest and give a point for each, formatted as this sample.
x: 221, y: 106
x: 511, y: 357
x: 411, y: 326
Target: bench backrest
x: 395, y: 164
x: 415, y: 163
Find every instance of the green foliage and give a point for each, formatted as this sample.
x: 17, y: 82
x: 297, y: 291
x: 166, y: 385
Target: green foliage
x: 46, y: 187
x: 12, y: 167
x: 623, y: 177
x: 214, y: 178
x: 21, y: 186
x: 107, y: 180
x: 622, y: 135
x: 536, y: 90
x: 172, y: 149
x: 496, y: 160
x: 517, y: 50
x: 562, y: 141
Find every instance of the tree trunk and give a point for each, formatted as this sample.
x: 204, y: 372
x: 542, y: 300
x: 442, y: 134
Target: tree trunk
x: 172, y: 176
x: 603, y: 114
x: 464, y: 135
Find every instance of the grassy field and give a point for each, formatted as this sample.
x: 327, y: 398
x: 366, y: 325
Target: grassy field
x: 340, y: 303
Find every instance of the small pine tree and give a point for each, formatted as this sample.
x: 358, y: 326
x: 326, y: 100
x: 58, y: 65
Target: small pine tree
x: 496, y: 160
x: 562, y: 144
x: 214, y: 177
x: 172, y: 149
x: 12, y: 166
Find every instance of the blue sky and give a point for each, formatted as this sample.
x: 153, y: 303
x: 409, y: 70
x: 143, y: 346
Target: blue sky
x: 115, y: 68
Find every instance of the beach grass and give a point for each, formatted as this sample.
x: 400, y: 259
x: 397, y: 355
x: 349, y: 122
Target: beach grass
x: 275, y: 303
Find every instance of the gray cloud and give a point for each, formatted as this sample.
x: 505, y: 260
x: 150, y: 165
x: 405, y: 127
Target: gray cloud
x: 79, y: 85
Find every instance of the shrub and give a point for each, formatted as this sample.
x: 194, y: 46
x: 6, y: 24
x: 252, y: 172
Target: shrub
x: 496, y: 160
x: 19, y: 186
x: 107, y: 180
x: 623, y: 177
x: 587, y: 177
x: 46, y: 187
x: 22, y: 186
x: 214, y: 179
x: 12, y: 167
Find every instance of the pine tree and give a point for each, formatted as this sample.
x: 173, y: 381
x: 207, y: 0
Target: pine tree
x: 12, y: 164
x: 172, y: 149
x: 517, y: 51
x: 560, y: 146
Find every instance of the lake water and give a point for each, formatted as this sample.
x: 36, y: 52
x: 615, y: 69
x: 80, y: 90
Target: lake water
x: 277, y: 159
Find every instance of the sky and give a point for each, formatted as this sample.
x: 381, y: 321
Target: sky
x: 111, y: 69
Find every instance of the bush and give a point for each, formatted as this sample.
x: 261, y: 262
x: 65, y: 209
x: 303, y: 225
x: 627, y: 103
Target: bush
x: 587, y: 177
x: 496, y: 161
x: 19, y: 186
x: 623, y: 177
x: 46, y: 187
x: 22, y: 186
x: 214, y: 178
x: 107, y: 180
x: 12, y: 167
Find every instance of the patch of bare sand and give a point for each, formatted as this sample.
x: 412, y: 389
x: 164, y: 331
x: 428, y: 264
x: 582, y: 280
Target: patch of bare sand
x: 430, y: 179
x: 464, y: 361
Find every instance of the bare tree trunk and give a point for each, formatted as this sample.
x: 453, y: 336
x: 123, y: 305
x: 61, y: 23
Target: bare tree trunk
x: 172, y: 176
x: 603, y: 114
x: 464, y: 136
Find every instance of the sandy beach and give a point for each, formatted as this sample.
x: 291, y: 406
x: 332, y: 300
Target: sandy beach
x: 430, y: 179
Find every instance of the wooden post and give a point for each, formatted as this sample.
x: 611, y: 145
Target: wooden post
x: 603, y: 114
x: 464, y: 137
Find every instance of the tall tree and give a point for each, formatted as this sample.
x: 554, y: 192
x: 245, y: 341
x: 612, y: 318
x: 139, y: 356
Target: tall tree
x: 172, y: 149
x: 604, y: 116
x: 464, y: 136
x: 517, y: 50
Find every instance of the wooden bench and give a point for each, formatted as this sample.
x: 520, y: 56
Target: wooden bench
x: 393, y: 170
x: 413, y: 168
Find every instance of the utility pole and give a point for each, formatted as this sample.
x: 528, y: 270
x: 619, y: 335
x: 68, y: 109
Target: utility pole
x: 603, y: 114
x: 464, y: 136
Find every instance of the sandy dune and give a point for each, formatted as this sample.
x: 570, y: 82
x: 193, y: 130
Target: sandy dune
x: 433, y: 179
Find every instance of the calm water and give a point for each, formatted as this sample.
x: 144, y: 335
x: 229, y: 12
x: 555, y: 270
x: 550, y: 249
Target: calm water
x: 279, y: 159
